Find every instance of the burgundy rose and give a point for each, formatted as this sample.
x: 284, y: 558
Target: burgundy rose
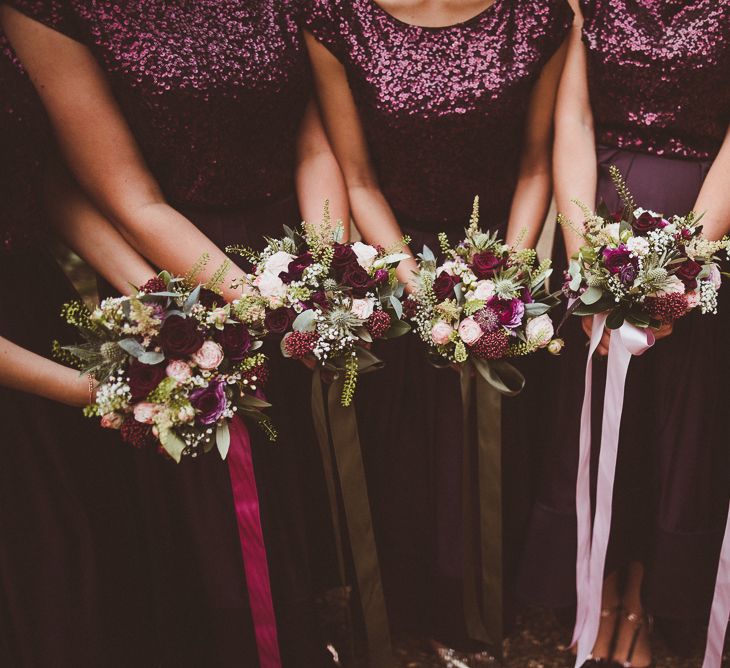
x: 144, y: 378
x: 486, y: 264
x: 296, y: 268
x: 342, y: 258
x: 235, y: 341
x: 209, y: 402
x: 526, y: 296
x: 616, y: 216
x: 211, y: 299
x: 443, y: 286
x: 180, y: 337
x: 510, y: 312
x: 619, y: 261
x: 279, y: 320
x: 647, y: 222
x: 687, y: 272
x: 318, y: 298
x: 358, y: 279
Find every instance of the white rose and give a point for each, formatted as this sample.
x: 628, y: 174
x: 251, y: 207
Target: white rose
x: 145, y: 412
x: 638, y: 246
x: 365, y: 254
x: 613, y: 231
x: 441, y: 333
x: 447, y: 268
x: 270, y: 285
x: 470, y: 331
x: 484, y: 290
x: 278, y: 262
x: 540, y: 330
x: 208, y: 356
x: 363, y: 308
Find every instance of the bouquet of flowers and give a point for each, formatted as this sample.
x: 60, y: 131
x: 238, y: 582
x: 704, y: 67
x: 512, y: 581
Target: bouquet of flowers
x: 174, y: 365
x: 485, y: 301
x: 641, y: 267
x: 328, y: 300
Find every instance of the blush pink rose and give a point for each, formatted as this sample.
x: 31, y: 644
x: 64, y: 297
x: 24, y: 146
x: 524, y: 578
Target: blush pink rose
x: 145, y: 412
x: 362, y: 308
x: 715, y: 277
x: 208, y: 356
x: 484, y: 290
x: 112, y: 421
x: 693, y: 299
x: 470, y: 331
x: 179, y: 370
x: 441, y: 333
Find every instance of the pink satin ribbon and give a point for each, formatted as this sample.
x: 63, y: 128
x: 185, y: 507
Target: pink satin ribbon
x: 253, y: 549
x: 626, y: 342
x: 720, y: 607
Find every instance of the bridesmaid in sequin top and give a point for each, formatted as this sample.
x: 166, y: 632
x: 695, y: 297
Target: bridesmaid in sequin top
x: 428, y: 104
x: 646, y: 89
x: 191, y: 127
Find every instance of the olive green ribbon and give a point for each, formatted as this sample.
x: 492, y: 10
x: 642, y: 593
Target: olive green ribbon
x: 339, y: 441
x: 482, y: 496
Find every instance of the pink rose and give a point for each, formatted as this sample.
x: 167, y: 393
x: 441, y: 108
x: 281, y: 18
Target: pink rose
x: 179, y: 370
x: 693, y: 299
x: 112, y: 421
x: 484, y: 290
x: 145, y: 412
x: 540, y: 330
x: 470, y: 331
x: 441, y: 333
x: 208, y: 356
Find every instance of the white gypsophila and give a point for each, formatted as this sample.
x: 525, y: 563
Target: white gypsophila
x: 638, y: 246
x: 708, y: 297
x: 113, y: 395
x: 616, y: 287
x: 659, y: 241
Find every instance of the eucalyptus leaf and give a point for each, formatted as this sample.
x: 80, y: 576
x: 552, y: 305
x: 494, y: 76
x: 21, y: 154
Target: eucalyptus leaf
x: 536, y: 308
x: 192, y: 300
x: 364, y: 335
x: 395, y: 258
x: 591, y: 296
x: 172, y: 444
x: 615, y: 319
x: 305, y: 322
x: 427, y: 254
x: 459, y: 291
x: 132, y: 347
x: 397, y: 306
x: 397, y: 328
x: 256, y: 345
x: 250, y: 401
x: 223, y: 439
x: 151, y: 357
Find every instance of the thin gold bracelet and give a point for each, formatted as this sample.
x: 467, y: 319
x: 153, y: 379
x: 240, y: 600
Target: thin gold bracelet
x: 91, y: 388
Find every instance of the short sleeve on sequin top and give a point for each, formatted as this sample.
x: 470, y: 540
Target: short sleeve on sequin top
x: 55, y: 14
x: 325, y: 19
x: 547, y: 30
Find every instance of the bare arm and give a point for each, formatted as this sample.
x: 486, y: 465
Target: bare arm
x: 101, y: 150
x: 23, y: 370
x: 531, y: 200
x: 372, y: 213
x: 714, y: 198
x: 91, y: 235
x: 319, y: 177
x: 574, y: 158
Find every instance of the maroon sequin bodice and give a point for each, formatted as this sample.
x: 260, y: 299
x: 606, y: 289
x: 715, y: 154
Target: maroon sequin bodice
x: 659, y: 74
x: 214, y: 90
x: 443, y: 109
x: 24, y: 137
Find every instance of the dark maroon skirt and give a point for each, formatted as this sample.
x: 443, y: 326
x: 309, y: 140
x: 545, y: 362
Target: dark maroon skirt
x: 202, y: 609
x: 673, y: 469
x: 410, y: 419
x: 70, y: 579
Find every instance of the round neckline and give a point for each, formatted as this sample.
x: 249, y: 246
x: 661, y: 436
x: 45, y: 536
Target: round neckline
x: 459, y: 24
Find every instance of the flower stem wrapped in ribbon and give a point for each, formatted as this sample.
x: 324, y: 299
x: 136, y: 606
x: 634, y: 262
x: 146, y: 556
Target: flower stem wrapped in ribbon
x: 327, y: 301
x: 637, y: 270
x: 178, y: 369
x: 483, y: 304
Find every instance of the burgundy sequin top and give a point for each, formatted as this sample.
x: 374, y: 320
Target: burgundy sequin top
x: 214, y: 90
x: 659, y: 74
x: 443, y: 109
x: 24, y: 136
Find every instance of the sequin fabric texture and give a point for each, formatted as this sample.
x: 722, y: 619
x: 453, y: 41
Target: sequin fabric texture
x: 24, y: 136
x: 443, y: 109
x: 214, y: 90
x: 659, y: 74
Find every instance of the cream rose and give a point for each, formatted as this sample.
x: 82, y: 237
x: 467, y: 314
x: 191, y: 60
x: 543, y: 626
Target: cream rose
x: 363, y: 308
x: 484, y: 290
x: 365, y: 254
x: 470, y: 331
x: 208, y: 356
x: 270, y: 285
x: 540, y: 330
x: 278, y: 262
x: 441, y: 333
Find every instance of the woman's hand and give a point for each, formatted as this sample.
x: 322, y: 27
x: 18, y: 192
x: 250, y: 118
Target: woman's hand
x: 659, y: 333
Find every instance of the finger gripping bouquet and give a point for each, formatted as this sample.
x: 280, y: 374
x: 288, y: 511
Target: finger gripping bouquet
x: 174, y: 365
x: 641, y: 267
x: 327, y: 300
x: 485, y: 301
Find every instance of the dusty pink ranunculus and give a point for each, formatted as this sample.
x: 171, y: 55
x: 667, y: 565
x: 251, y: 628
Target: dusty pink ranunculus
x: 470, y: 331
x: 179, y: 370
x: 145, y: 412
x: 208, y: 356
x: 441, y: 333
x: 112, y: 421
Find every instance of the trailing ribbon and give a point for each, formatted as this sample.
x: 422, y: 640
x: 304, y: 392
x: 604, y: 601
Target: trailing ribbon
x: 626, y: 341
x: 253, y: 549
x: 720, y: 613
x: 482, y: 582
x: 339, y: 441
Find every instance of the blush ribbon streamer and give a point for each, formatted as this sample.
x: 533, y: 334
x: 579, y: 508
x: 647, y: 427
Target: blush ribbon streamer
x: 720, y: 613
